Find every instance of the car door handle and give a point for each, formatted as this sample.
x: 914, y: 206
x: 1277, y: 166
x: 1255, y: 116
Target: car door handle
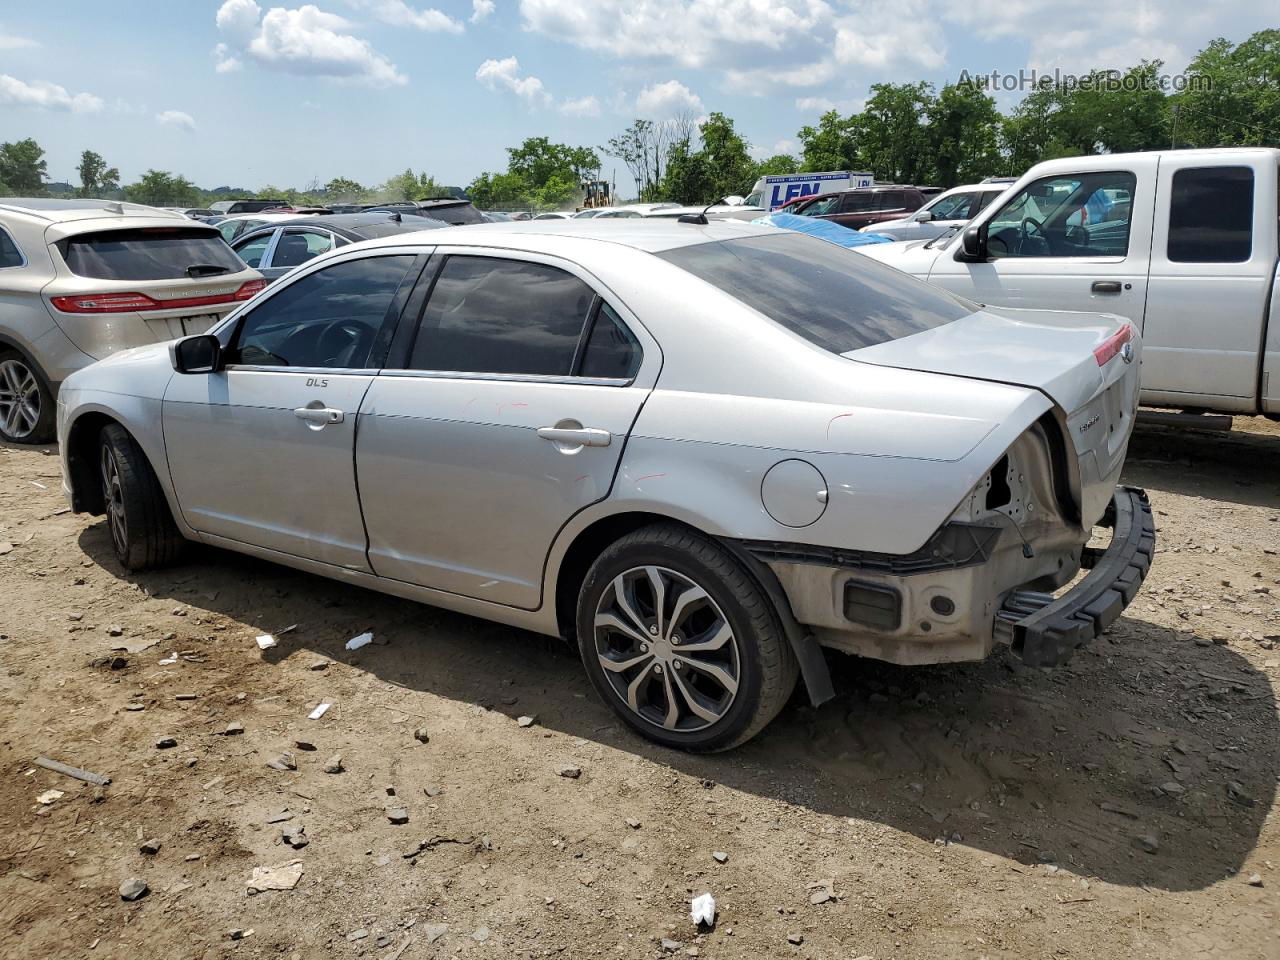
x: 581, y: 437
x: 319, y: 415
x: 1106, y: 286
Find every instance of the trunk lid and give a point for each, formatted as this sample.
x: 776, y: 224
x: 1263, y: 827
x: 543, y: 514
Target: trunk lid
x: 1086, y: 363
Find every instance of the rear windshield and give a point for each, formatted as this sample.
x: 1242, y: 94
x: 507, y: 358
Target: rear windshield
x: 833, y: 297
x: 456, y: 214
x: 161, y: 253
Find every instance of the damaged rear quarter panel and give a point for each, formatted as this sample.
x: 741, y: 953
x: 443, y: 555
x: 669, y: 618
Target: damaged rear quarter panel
x: 893, y: 476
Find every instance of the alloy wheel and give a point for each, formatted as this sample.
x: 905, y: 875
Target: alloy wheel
x: 667, y: 649
x: 113, y: 500
x: 19, y: 399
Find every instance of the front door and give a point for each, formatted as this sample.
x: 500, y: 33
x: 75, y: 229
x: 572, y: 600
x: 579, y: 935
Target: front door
x: 261, y: 452
x: 1075, y: 241
x: 506, y: 416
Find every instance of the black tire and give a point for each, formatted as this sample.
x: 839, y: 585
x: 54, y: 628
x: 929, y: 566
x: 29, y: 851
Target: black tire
x: 141, y: 527
x: 16, y: 371
x: 761, y: 660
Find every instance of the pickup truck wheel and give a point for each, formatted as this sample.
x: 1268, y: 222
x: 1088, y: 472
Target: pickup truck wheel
x: 681, y: 642
x: 27, y: 407
x: 142, y: 530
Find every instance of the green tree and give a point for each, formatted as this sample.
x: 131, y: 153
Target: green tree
x: 497, y: 191
x: 410, y: 186
x: 728, y: 158
x: 775, y: 166
x: 342, y: 190
x: 963, y: 133
x: 832, y: 144
x: 23, y: 167
x: 686, y: 179
x: 538, y: 161
x: 1233, y: 95
x: 893, y: 134
x: 95, y: 176
x: 159, y: 188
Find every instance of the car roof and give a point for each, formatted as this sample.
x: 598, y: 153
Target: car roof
x: 56, y: 209
x: 648, y: 234
x: 352, y: 226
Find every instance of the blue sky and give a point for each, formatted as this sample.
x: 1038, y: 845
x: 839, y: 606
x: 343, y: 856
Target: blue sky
x: 247, y: 93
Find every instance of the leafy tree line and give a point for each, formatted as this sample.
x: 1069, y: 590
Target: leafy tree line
x: 915, y: 133
x: 905, y: 132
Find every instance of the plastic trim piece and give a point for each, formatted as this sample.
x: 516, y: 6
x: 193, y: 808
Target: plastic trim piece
x: 1049, y: 635
x: 951, y: 547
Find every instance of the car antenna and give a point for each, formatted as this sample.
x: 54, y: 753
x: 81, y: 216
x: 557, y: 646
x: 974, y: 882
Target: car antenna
x: 699, y: 218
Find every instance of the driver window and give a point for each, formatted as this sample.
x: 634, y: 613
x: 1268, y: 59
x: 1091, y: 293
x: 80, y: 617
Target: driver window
x: 821, y: 207
x: 1085, y: 215
x: 330, y: 318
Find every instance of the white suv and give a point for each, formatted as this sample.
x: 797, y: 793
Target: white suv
x: 946, y: 211
x: 82, y: 279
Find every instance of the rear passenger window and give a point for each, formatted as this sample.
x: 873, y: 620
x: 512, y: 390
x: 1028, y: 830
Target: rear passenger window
x: 1211, y: 215
x: 489, y: 315
x: 611, y: 350
x: 10, y: 255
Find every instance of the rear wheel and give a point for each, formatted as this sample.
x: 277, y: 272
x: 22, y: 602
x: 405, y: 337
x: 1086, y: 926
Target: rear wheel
x: 26, y: 403
x: 142, y: 530
x: 681, y: 642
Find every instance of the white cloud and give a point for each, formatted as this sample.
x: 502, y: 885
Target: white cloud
x: 505, y: 74
x: 400, y: 14
x: 176, y: 118
x: 662, y: 100
x: 814, y: 104
x: 9, y: 41
x: 693, y: 33
x: 43, y: 95
x: 480, y: 9
x: 581, y: 107
x: 238, y: 19
x: 306, y: 41
x: 225, y: 61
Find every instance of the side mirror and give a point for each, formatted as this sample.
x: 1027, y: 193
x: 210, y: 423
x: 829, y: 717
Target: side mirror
x: 973, y: 246
x: 924, y: 216
x: 199, y: 354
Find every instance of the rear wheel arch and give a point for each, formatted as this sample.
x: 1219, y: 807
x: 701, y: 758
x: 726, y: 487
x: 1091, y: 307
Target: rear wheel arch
x: 592, y: 541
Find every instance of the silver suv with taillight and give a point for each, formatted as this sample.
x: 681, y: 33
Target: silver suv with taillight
x: 82, y: 279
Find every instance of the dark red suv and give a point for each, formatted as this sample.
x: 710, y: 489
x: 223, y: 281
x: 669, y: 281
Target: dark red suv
x: 863, y: 205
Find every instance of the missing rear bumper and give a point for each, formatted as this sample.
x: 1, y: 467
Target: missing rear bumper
x: 1045, y: 631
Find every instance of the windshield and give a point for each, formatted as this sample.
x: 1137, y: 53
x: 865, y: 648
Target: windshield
x: 164, y: 253
x: 833, y: 297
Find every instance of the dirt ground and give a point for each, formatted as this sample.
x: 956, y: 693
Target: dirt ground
x: 1115, y: 808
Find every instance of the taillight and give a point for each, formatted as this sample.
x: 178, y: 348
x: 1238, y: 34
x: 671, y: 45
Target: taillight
x: 105, y: 303
x: 1106, y: 351
x: 140, y: 302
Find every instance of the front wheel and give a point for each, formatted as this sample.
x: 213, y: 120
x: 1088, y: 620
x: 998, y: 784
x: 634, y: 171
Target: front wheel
x: 26, y: 405
x: 681, y: 642
x: 143, y: 533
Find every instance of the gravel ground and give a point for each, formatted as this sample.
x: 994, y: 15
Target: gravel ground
x: 1118, y: 807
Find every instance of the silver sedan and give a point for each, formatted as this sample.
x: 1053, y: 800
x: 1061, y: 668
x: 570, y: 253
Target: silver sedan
x: 701, y: 451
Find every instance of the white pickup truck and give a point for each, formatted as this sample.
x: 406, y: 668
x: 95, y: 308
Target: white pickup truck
x: 1181, y: 242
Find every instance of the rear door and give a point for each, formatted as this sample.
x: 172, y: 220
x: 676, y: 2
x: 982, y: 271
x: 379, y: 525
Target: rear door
x: 1213, y: 263
x: 262, y: 452
x: 1076, y: 241
x: 501, y: 414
